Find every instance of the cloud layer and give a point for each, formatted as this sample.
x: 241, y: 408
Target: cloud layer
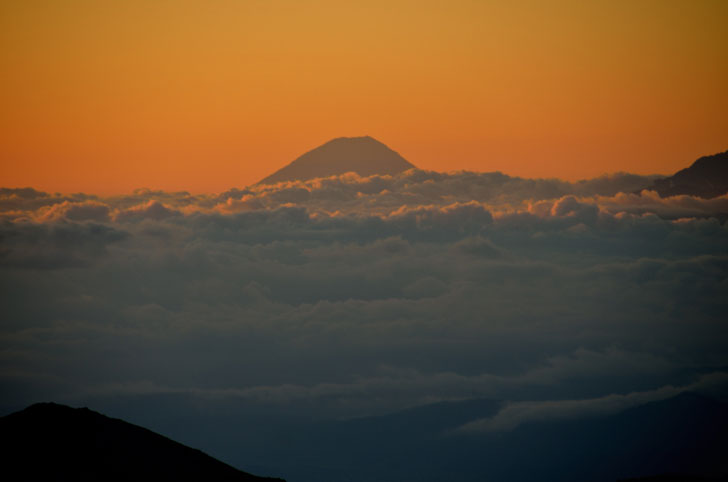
x: 347, y: 296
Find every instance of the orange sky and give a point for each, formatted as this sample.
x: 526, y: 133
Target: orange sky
x: 107, y: 96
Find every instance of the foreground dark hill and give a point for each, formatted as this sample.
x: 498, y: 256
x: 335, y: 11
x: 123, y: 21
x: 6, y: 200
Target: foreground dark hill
x: 363, y: 155
x: 707, y: 178
x: 51, y: 442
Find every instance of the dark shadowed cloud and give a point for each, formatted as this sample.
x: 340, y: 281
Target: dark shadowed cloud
x: 350, y: 296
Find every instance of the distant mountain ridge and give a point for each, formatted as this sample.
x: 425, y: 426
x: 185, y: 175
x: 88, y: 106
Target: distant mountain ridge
x: 685, y: 434
x: 707, y: 178
x: 365, y: 156
x: 52, y: 442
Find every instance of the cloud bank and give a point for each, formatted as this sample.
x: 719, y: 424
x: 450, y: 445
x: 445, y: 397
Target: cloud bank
x: 350, y: 295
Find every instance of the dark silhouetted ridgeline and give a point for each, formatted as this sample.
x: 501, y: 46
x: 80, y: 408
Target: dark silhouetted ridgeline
x: 676, y: 478
x: 707, y: 178
x: 51, y: 442
x: 686, y: 434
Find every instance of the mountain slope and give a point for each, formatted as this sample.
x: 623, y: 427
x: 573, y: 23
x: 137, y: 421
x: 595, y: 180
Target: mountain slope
x: 53, y: 442
x: 686, y: 434
x: 707, y: 178
x: 363, y: 155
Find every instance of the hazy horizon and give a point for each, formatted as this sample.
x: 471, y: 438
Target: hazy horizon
x: 101, y: 192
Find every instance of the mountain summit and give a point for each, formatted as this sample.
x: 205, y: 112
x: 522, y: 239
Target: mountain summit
x: 363, y: 155
x: 707, y: 178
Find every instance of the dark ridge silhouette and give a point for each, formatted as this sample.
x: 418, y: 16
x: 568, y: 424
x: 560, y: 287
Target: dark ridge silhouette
x: 363, y: 155
x: 707, y: 178
x: 51, y: 442
x: 676, y: 478
x: 686, y: 434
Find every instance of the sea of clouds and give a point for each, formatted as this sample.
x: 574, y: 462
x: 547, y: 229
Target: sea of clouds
x: 349, y: 296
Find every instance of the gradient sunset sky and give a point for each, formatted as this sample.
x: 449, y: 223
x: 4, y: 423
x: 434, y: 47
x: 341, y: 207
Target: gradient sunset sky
x: 105, y: 97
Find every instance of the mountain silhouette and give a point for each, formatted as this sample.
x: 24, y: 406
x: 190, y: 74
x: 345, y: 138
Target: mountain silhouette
x: 707, y: 178
x: 53, y: 442
x: 676, y: 478
x: 686, y: 434
x: 363, y: 155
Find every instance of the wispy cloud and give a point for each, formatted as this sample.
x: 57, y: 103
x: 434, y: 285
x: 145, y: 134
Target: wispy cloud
x: 514, y: 414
